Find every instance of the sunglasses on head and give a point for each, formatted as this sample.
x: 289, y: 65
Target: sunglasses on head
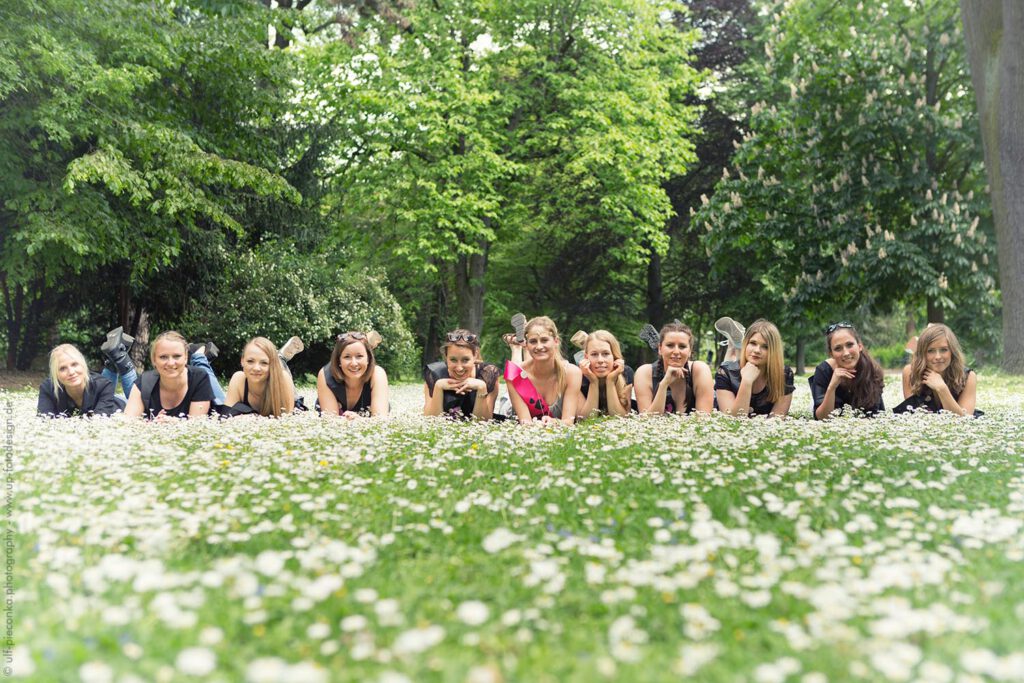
x: 345, y: 336
x: 843, y: 325
x: 459, y: 336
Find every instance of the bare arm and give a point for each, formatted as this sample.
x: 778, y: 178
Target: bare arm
x: 907, y: 392
x: 134, y: 407
x: 198, y: 409
x: 572, y: 397
x: 379, y: 394
x: 703, y: 388
x: 433, y: 403
x: 234, y: 393
x: 781, y: 407
x: 328, y: 404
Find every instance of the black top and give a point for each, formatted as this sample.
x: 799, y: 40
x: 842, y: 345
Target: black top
x: 97, y: 400
x: 689, y: 400
x: 728, y: 378
x: 338, y: 389
x: 452, y: 404
x: 602, y: 398
x: 819, y: 385
x: 199, y: 389
x: 927, y: 400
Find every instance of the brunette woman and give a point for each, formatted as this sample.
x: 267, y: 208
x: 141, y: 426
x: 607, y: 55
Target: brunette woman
x: 759, y: 383
x: 352, y: 384
x: 848, y: 377
x: 547, y: 386
x: 263, y: 386
x: 607, y: 384
x: 674, y: 383
x: 71, y: 390
x: 462, y: 385
x: 937, y: 377
x: 173, y: 388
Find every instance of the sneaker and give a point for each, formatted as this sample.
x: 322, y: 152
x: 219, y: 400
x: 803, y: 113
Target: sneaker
x: 373, y: 338
x: 650, y: 335
x: 578, y: 357
x: 292, y: 347
x: 731, y: 330
x: 519, y: 325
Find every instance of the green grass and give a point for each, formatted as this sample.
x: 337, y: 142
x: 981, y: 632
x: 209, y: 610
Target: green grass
x: 888, y: 549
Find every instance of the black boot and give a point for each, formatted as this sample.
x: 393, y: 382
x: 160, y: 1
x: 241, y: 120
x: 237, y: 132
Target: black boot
x: 210, y: 349
x: 115, y: 351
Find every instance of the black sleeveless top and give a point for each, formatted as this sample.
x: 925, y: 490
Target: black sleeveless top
x: 689, y: 399
x: 728, y: 378
x: 819, y: 385
x: 602, y: 399
x: 928, y: 401
x: 452, y: 404
x: 338, y: 389
x: 199, y: 389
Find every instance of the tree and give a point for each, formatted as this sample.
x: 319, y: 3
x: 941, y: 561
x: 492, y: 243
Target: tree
x: 994, y: 35
x: 126, y: 132
x: 482, y: 124
x: 859, y: 179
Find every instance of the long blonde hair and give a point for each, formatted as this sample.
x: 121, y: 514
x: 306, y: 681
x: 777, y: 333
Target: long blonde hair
x: 954, y: 376
x: 582, y: 340
x: 72, y: 352
x: 775, y: 371
x: 279, y: 396
x: 548, y: 325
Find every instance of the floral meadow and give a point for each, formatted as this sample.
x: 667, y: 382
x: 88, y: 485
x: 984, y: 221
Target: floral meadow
x: 417, y: 549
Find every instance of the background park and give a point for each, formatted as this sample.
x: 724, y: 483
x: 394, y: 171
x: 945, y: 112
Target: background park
x: 229, y: 168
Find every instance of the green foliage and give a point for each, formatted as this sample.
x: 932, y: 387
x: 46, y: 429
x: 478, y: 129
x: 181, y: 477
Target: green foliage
x: 860, y: 180
x: 276, y: 292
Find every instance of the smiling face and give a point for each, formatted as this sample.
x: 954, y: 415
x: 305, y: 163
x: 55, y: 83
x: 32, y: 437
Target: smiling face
x: 354, y: 360
x: 601, y: 358
x: 756, y: 350
x: 938, y: 355
x: 70, y: 372
x: 170, y: 358
x: 845, y: 349
x: 461, y: 361
x: 675, y: 349
x: 255, y: 364
x: 541, y: 344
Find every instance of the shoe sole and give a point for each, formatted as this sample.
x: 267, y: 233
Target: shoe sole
x: 731, y: 329
x: 519, y: 325
x: 650, y: 336
x: 113, y: 340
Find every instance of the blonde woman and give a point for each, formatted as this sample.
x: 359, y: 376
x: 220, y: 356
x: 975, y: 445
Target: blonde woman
x: 71, y: 390
x: 547, y: 386
x: 759, y: 383
x: 263, y: 386
x: 173, y: 388
x: 937, y: 377
x: 607, y: 384
x: 674, y: 383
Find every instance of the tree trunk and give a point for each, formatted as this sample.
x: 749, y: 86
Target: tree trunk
x: 13, y: 305
x: 936, y: 314
x: 469, y: 289
x: 994, y: 34
x: 432, y: 346
x: 31, y: 333
x: 801, y: 355
x: 140, y: 330
x: 655, y: 292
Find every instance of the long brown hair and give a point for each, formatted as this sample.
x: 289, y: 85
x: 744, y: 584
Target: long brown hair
x: 347, y: 339
x: 279, y: 396
x: 869, y: 381
x: 954, y: 376
x: 775, y: 371
x: 548, y: 325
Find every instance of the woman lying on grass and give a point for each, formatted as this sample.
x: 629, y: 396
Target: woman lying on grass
x: 547, y: 386
x: 352, y: 384
x: 937, y: 377
x: 607, y: 383
x: 71, y: 390
x: 848, y: 377
x: 173, y: 388
x: 462, y: 385
x: 263, y: 386
x: 674, y: 383
x: 759, y: 383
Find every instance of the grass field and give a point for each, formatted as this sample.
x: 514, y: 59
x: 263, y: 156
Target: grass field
x: 641, y: 549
